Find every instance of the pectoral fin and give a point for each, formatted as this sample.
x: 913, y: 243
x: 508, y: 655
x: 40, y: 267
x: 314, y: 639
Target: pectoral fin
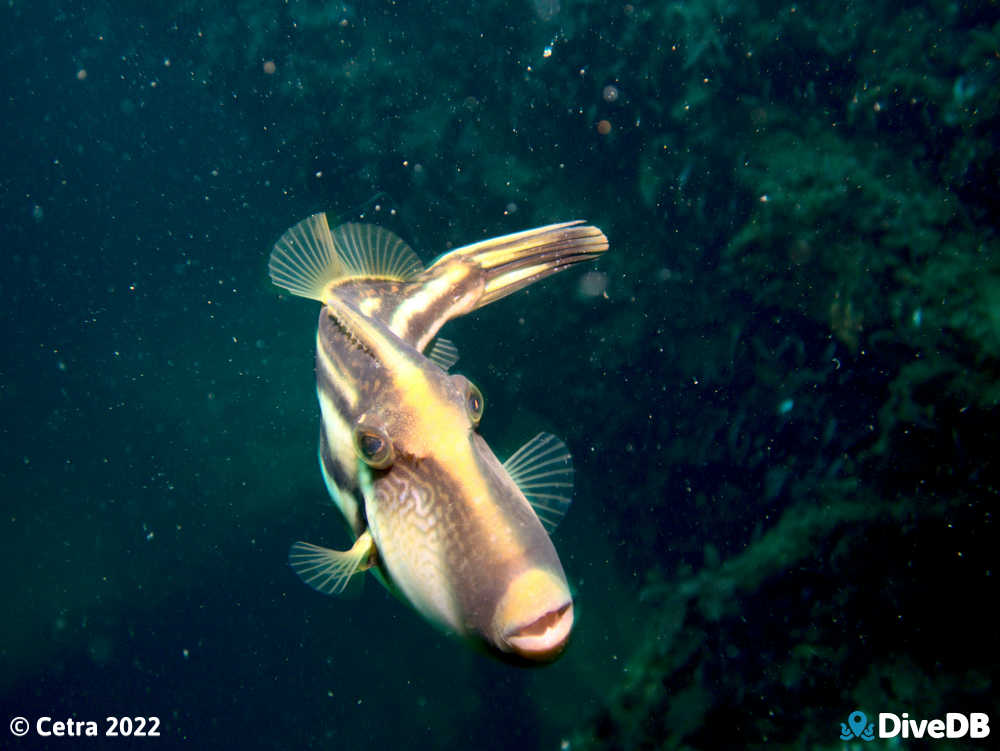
x: 543, y: 470
x: 329, y: 571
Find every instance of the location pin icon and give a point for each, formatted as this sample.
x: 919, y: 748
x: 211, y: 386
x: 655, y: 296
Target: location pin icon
x: 857, y: 721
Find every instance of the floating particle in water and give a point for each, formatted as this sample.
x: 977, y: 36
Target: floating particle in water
x: 510, y: 208
x: 270, y: 67
x: 603, y: 127
x: 37, y: 212
x: 546, y: 10
x: 100, y: 650
x: 81, y: 75
x: 593, y: 284
x: 665, y: 275
x: 610, y: 93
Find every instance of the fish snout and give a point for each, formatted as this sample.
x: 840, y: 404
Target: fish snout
x: 535, y: 616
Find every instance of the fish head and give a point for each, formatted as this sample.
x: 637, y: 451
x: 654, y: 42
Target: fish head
x: 461, y: 543
x: 455, y: 534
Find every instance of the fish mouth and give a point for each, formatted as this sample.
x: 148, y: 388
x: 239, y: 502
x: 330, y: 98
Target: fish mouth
x: 544, y: 638
x: 533, y: 619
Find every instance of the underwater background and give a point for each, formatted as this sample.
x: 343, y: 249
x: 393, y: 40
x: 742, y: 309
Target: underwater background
x: 780, y: 385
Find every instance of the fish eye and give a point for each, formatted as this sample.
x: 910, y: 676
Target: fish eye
x: 373, y: 446
x: 475, y: 404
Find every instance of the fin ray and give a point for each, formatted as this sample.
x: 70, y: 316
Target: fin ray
x: 543, y: 470
x: 309, y: 256
x: 443, y: 353
x: 304, y: 259
x: 373, y: 252
x: 329, y: 571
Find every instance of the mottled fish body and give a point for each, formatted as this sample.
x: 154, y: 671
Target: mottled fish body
x: 460, y: 535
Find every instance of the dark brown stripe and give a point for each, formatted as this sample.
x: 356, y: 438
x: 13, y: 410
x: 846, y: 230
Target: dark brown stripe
x: 333, y: 468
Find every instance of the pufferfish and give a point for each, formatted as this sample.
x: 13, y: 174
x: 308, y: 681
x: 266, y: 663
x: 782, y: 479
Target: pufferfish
x: 442, y: 522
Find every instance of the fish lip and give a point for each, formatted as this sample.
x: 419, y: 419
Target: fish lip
x: 544, y: 638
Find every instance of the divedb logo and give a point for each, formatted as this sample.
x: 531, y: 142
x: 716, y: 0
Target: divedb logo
x: 954, y: 725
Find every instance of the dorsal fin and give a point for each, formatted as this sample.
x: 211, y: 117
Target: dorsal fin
x: 443, y: 353
x: 309, y: 256
x: 543, y: 470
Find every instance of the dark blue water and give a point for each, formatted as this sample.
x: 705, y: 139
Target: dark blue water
x: 779, y: 385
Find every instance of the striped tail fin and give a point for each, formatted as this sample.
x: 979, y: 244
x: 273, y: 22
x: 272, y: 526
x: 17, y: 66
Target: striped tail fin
x: 514, y: 261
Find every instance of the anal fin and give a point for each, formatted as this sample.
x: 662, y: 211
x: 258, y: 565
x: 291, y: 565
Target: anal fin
x: 329, y: 571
